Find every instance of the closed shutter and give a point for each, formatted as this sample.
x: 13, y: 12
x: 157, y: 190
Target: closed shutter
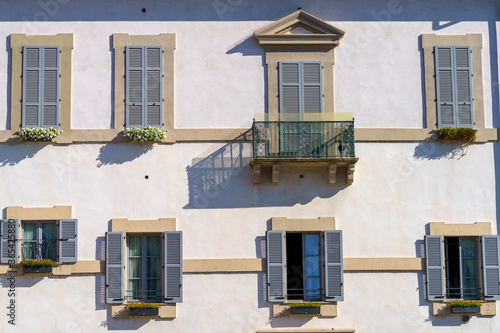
x: 68, y: 245
x: 453, y: 86
x: 40, y: 100
x: 275, y: 266
x: 290, y: 87
x: 334, y: 270
x: 312, y: 87
x: 491, y: 266
x: 434, y: 267
x: 9, y: 235
x: 114, y: 267
x: 144, y: 86
x: 172, y: 291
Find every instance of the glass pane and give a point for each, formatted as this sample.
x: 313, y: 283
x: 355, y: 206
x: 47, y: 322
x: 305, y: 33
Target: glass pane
x: 134, y: 267
x: 49, y: 231
x: 154, y: 289
x: 312, y: 244
x: 154, y: 267
x: 313, y: 288
x: 154, y: 246
x: 49, y: 250
x: 312, y: 266
x: 29, y: 231
x: 29, y: 250
x: 134, y: 290
x: 135, y: 246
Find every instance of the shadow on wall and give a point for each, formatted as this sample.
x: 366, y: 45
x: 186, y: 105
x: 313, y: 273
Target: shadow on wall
x: 21, y: 152
x: 436, y: 151
x: 121, y: 153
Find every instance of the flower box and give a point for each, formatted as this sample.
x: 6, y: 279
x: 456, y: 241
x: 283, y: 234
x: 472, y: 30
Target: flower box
x: 306, y: 310
x: 143, y: 312
x: 37, y: 269
x: 466, y: 309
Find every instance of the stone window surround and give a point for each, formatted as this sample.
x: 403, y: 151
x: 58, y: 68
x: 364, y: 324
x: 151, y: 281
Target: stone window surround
x: 475, y: 42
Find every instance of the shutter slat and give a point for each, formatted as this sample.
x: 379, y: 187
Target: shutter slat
x: 5, y: 236
x: 290, y: 86
x: 134, y: 85
x: 491, y: 266
x: 68, y: 245
x: 31, y: 100
x: 173, y: 267
x: 275, y: 266
x: 434, y: 267
x: 334, y: 271
x: 114, y: 267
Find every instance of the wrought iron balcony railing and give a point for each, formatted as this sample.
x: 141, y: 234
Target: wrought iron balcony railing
x: 303, y: 139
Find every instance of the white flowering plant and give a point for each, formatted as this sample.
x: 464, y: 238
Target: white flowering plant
x: 145, y: 134
x: 38, y: 134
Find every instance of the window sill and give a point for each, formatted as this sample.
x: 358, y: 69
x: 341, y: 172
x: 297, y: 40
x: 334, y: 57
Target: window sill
x: 328, y: 310
x: 166, y: 311
x: 62, y: 269
x: 440, y: 309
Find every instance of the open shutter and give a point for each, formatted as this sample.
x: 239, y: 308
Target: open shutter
x: 32, y: 76
x: 275, y: 266
x: 434, y: 267
x: 445, y: 86
x: 134, y: 82
x: 114, y: 267
x: 68, y: 245
x: 491, y: 266
x: 464, y: 86
x: 290, y: 87
x: 9, y: 234
x: 312, y: 87
x: 50, y: 87
x: 334, y: 268
x: 154, y: 86
x: 172, y: 291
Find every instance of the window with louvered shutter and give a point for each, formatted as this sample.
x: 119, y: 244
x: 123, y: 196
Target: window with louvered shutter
x: 9, y: 234
x: 434, y: 267
x: 40, y: 101
x: 491, y: 266
x: 334, y: 271
x: 68, y: 245
x: 453, y: 86
x: 114, y: 267
x: 275, y: 266
x: 172, y: 266
x: 144, y: 86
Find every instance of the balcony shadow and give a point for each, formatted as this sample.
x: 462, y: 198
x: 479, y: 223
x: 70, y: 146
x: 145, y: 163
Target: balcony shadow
x: 118, y: 154
x: 435, y: 151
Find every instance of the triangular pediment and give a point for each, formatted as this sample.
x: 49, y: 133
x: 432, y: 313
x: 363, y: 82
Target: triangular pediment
x: 299, y: 28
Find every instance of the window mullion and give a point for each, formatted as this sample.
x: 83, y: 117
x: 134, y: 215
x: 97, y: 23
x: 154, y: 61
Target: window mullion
x: 144, y: 281
x: 460, y: 252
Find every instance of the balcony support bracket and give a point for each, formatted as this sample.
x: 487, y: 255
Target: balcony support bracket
x: 332, y: 173
x: 256, y: 173
x: 276, y: 173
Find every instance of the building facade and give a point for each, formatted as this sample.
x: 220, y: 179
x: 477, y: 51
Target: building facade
x: 301, y: 163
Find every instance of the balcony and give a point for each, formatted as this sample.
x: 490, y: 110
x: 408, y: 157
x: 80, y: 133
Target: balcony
x: 285, y: 144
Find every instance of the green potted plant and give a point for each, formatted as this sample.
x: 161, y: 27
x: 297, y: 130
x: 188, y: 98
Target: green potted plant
x: 462, y: 135
x: 147, y: 133
x: 143, y: 309
x: 464, y: 306
x: 37, y: 266
x: 305, y: 308
x: 38, y: 134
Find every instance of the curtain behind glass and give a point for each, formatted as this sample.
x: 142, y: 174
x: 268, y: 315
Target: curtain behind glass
x: 154, y: 267
x: 49, y: 238
x: 469, y: 267
x: 134, y: 291
x: 29, y: 240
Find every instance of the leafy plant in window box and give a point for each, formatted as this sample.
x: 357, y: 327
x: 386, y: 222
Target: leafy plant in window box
x: 37, y: 266
x: 464, y: 306
x: 143, y: 309
x: 463, y: 135
x: 145, y: 134
x: 305, y: 308
x: 38, y: 134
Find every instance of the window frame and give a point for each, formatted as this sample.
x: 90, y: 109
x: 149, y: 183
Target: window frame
x: 39, y: 239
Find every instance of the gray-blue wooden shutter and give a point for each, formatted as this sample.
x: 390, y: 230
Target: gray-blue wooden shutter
x: 434, y: 267
x: 290, y: 87
x: 275, y: 266
x: 334, y: 268
x: 153, y: 89
x: 9, y: 235
x: 312, y: 87
x: 453, y: 86
x: 491, y: 266
x: 134, y: 81
x: 172, y: 291
x: 114, y: 267
x: 68, y: 245
x: 40, y: 101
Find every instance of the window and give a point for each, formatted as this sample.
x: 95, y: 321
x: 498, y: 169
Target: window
x: 453, y: 265
x: 300, y: 87
x: 144, y: 86
x: 40, y: 86
x: 154, y: 267
x: 306, y: 254
x: 144, y: 268
x: 454, y: 86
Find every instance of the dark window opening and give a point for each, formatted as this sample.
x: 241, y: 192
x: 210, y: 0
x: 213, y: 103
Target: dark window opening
x: 295, y: 271
x: 461, y: 268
